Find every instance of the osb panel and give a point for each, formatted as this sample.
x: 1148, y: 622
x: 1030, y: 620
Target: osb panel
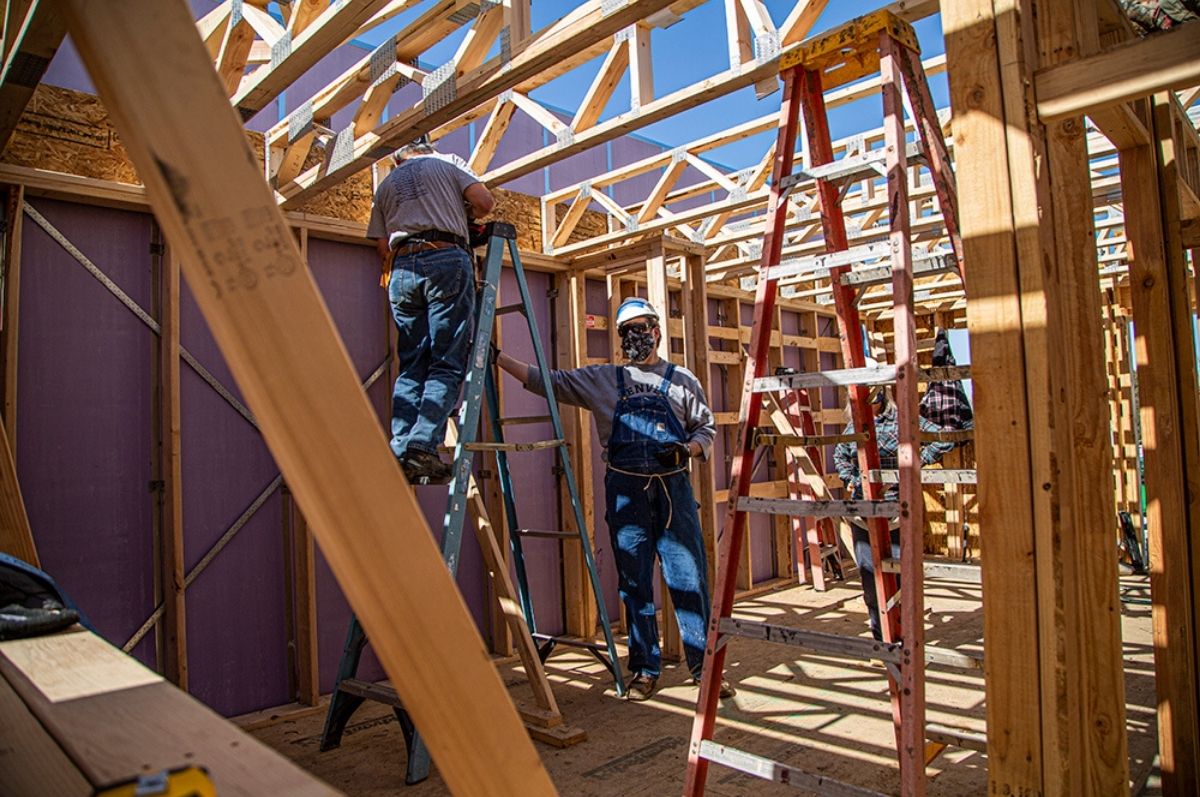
x: 70, y: 131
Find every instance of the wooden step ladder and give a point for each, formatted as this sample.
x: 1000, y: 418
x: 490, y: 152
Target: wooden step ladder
x: 879, y: 42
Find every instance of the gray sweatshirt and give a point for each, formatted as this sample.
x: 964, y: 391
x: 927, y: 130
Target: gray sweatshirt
x: 594, y: 387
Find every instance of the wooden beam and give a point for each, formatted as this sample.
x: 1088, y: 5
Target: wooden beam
x: 1077, y: 587
x: 1158, y: 288
x: 114, y: 719
x: 13, y: 217
x: 1130, y: 70
x: 16, y: 537
x: 570, y: 351
x: 994, y: 155
x: 172, y: 628
x: 602, y: 87
x: 592, y: 25
x: 267, y: 317
x: 29, y: 47
x: 641, y: 68
x: 336, y: 24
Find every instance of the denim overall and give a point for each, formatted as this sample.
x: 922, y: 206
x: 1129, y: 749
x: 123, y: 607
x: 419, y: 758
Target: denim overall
x: 651, y: 509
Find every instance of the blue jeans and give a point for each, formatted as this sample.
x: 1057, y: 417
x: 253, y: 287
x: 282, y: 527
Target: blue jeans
x: 433, y: 303
x: 866, y: 571
x: 638, y: 508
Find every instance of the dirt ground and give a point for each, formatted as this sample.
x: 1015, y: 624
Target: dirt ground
x: 827, y: 716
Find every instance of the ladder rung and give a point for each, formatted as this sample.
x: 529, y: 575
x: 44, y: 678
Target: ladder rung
x: 828, y: 551
x: 950, y: 571
x: 558, y: 535
x: 570, y: 642
x: 511, y: 308
x: 851, y: 167
x: 928, y: 476
x: 810, y: 440
x: 520, y: 419
x: 536, y: 446
x: 959, y: 737
x: 940, y: 263
x: 818, y: 266
x: 380, y: 693
x: 948, y: 435
x: 948, y: 657
x: 820, y: 641
x: 842, y: 377
x: 772, y: 770
x: 800, y: 508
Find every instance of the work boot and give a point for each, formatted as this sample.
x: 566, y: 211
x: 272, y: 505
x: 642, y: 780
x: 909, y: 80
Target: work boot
x: 641, y: 687
x: 424, y: 467
x: 726, y: 690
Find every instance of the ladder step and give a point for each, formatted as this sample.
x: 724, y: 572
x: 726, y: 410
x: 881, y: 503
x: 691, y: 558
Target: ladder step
x: 927, y: 266
x: 800, y: 508
x: 521, y: 419
x: 949, y: 571
x: 768, y: 769
x: 841, y: 377
x: 959, y: 737
x: 828, y: 551
x: 819, y: 641
x: 928, y: 476
x: 851, y: 167
x: 839, y: 645
x: 948, y: 435
x: 379, y: 693
x: 810, y: 440
x: 511, y: 308
x: 878, y: 253
x: 537, y: 446
x: 571, y: 642
x: 557, y: 535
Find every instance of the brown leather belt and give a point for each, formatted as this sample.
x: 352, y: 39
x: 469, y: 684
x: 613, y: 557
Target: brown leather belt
x: 422, y: 246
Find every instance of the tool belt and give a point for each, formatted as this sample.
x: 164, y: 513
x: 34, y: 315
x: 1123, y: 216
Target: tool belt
x: 432, y: 237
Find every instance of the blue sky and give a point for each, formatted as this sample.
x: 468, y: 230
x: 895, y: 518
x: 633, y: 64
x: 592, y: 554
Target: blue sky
x: 689, y: 51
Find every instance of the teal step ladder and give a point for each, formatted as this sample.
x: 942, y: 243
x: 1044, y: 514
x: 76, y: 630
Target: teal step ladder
x: 350, y: 692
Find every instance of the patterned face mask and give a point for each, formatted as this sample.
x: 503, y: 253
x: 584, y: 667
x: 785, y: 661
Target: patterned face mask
x: 637, y: 341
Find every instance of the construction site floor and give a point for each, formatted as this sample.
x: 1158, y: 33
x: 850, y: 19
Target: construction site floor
x: 827, y: 716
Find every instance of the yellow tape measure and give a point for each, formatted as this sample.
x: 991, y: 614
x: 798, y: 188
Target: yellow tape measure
x: 181, y: 782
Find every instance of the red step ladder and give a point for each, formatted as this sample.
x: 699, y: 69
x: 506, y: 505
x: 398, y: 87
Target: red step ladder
x: 879, y: 42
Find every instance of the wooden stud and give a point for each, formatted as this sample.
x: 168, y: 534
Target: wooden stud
x: 582, y: 614
x: 1166, y: 365
x: 267, y: 317
x: 979, y: 39
x: 172, y: 629
x: 12, y: 307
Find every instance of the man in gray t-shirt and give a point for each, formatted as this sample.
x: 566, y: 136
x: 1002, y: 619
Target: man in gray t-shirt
x: 419, y: 224
x: 652, y: 418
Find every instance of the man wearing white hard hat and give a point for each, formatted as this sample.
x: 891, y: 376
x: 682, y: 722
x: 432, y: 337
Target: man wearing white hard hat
x: 652, y: 418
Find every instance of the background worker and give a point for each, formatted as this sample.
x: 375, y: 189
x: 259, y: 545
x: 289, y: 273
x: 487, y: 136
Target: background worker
x: 419, y: 224
x: 845, y: 458
x: 652, y: 418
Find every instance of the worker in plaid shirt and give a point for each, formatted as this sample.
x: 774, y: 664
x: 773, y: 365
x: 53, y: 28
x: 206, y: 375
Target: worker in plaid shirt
x: 845, y: 458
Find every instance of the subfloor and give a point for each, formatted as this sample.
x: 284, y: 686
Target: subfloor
x: 827, y: 716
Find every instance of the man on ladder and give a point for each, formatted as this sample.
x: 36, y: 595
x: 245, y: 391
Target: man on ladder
x: 419, y: 224
x: 652, y: 418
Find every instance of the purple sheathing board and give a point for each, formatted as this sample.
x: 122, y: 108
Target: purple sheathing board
x: 83, y: 441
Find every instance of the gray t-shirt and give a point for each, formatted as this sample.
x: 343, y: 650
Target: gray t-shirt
x: 422, y: 193
x: 595, y: 388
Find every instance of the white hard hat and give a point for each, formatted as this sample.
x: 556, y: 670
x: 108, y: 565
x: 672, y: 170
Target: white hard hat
x: 634, y: 307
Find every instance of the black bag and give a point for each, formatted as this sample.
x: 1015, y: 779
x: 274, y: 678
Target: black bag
x: 31, y: 604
